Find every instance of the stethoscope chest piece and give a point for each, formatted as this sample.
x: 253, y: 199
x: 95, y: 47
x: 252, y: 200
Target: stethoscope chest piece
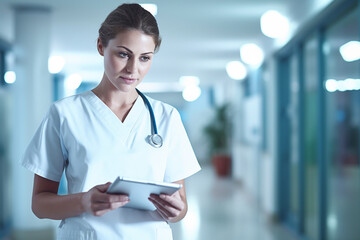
x: 156, y: 140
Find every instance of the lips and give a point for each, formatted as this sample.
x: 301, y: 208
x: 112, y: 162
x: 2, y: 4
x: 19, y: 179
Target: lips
x: 128, y: 80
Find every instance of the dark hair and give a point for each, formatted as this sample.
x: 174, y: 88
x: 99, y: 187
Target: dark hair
x: 127, y: 17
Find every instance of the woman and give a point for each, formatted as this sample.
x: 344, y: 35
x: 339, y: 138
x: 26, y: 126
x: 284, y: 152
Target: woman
x: 101, y: 134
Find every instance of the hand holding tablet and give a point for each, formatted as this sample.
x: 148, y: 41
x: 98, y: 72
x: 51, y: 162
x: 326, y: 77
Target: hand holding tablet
x: 139, y: 191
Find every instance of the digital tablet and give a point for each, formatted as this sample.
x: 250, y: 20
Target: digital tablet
x: 139, y: 191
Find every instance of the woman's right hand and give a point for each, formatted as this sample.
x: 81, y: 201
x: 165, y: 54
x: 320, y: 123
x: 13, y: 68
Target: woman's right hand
x: 98, y: 202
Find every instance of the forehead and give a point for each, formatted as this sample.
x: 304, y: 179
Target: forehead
x: 135, y: 40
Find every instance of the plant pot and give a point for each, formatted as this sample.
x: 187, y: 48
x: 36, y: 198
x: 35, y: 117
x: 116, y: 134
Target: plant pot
x: 222, y: 164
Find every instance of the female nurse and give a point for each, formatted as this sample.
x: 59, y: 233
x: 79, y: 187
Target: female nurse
x: 100, y: 134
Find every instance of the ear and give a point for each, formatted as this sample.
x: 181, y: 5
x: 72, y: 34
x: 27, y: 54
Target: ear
x: 100, y: 47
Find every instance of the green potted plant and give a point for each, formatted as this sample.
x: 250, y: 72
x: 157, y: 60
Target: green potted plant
x: 218, y: 133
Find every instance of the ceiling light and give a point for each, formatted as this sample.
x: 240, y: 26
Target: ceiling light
x: 10, y: 77
x: 152, y: 8
x: 350, y: 51
x: 191, y: 90
x: 274, y: 25
x: 73, y: 81
x: 349, y: 84
x: 352, y: 84
x: 236, y: 70
x: 251, y: 54
x: 191, y: 93
x: 331, y: 85
x: 56, y: 64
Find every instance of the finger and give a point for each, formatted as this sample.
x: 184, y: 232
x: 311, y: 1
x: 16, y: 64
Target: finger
x: 171, y: 200
x: 104, y: 206
x: 110, y: 206
x: 161, y: 212
x: 164, y: 207
x: 101, y: 209
x: 163, y: 215
x: 101, y: 212
x: 103, y: 187
x: 109, y: 198
x: 158, y: 200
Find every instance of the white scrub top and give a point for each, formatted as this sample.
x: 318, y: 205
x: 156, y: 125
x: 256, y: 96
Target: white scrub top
x: 82, y: 136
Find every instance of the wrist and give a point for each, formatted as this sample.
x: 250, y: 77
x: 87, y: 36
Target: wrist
x: 83, y: 202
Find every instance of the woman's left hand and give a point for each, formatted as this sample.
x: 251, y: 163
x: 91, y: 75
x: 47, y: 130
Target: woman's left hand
x: 171, y: 207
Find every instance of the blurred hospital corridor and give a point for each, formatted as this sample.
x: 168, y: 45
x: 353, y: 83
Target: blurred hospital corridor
x: 270, y: 89
x: 220, y: 208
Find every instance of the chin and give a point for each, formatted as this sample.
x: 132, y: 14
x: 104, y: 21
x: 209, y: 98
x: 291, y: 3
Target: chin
x: 127, y: 88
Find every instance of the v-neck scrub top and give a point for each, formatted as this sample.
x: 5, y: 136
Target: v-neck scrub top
x: 82, y: 136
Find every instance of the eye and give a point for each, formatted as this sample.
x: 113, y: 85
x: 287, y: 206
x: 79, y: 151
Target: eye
x: 145, y: 58
x: 123, y: 55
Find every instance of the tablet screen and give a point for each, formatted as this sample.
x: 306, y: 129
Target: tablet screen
x: 139, y: 191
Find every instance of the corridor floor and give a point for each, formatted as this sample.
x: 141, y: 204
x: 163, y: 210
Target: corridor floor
x: 219, y: 208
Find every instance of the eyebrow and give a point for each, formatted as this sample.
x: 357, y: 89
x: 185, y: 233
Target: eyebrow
x: 132, y: 51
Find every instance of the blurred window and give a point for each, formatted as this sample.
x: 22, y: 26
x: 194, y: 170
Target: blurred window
x: 293, y: 112
x: 311, y: 93
x: 322, y: 170
x: 2, y: 67
x: 342, y: 132
x: 4, y: 156
x: 264, y: 111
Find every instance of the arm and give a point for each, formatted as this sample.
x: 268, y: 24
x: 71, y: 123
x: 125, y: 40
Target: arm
x: 172, y: 208
x: 47, y: 204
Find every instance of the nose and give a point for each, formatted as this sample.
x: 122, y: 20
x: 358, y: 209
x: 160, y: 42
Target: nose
x: 131, y: 65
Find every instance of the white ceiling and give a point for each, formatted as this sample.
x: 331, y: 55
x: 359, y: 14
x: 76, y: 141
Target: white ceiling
x: 199, y: 37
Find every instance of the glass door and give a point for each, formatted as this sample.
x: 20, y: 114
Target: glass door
x: 294, y: 137
x: 311, y: 169
x: 342, y: 85
x: 5, y: 178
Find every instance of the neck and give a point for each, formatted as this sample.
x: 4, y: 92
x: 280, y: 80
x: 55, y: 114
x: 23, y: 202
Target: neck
x: 114, y: 97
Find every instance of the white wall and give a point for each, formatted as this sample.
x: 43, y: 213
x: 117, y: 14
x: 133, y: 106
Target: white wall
x: 28, y: 100
x: 253, y: 166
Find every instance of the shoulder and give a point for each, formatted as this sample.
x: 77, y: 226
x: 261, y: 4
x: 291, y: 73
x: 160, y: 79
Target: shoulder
x: 74, y: 99
x: 68, y: 107
x: 71, y: 103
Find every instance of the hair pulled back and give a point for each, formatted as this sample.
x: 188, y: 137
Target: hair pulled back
x: 129, y: 17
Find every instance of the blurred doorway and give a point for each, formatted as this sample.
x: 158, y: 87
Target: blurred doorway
x: 319, y: 126
x: 342, y: 128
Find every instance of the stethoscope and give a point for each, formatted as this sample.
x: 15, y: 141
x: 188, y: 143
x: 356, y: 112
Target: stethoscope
x: 155, y: 139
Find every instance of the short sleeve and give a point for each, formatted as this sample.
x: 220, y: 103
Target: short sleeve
x: 45, y: 154
x: 181, y: 162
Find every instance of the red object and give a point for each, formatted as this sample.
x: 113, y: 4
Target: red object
x: 222, y: 164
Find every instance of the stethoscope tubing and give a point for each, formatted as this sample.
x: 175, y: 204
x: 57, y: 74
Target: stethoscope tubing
x: 152, y: 116
x: 155, y: 138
